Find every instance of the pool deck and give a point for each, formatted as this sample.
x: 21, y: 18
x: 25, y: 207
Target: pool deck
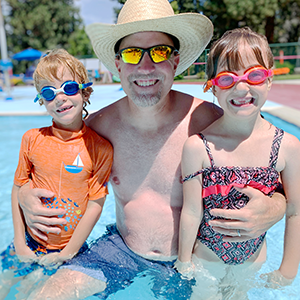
x: 286, y: 93
x: 283, y: 99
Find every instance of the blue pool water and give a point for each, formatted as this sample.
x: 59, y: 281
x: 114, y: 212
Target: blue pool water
x: 11, y: 131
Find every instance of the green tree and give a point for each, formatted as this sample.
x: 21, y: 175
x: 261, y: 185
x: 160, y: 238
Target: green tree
x: 187, y: 5
x: 267, y: 17
x: 41, y: 24
x: 79, y: 44
x: 287, y: 27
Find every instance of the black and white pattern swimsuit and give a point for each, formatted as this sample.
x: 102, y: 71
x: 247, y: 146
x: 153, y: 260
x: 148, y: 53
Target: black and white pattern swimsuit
x: 218, y: 192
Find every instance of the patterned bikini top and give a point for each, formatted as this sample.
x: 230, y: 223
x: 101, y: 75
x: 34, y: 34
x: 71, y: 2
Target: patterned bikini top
x: 219, y: 192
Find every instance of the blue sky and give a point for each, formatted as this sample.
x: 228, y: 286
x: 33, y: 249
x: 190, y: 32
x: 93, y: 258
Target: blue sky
x: 93, y: 11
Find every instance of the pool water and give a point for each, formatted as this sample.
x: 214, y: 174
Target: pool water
x: 11, y: 131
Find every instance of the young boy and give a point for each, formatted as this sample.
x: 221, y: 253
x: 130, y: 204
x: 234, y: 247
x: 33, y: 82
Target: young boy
x: 67, y: 158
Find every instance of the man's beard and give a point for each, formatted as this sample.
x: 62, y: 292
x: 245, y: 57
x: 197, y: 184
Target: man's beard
x: 146, y: 99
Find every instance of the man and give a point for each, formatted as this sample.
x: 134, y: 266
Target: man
x: 147, y: 129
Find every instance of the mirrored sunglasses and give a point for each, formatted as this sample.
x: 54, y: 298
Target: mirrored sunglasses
x: 226, y: 80
x: 133, y: 55
x: 69, y: 88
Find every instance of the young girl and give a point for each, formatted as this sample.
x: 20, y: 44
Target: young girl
x: 66, y: 158
x: 239, y: 149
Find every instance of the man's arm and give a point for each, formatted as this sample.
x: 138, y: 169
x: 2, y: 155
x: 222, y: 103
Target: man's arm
x: 259, y: 215
x: 39, y: 218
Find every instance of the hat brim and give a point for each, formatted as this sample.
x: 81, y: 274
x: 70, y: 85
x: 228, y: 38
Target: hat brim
x: 193, y: 31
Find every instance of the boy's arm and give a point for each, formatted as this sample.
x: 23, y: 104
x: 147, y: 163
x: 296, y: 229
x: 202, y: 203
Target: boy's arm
x: 81, y: 233
x: 19, y: 226
x: 84, y: 228
x: 37, y: 217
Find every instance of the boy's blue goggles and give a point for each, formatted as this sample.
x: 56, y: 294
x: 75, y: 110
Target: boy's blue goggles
x: 69, y: 88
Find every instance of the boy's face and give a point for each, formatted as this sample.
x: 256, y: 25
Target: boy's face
x: 65, y: 110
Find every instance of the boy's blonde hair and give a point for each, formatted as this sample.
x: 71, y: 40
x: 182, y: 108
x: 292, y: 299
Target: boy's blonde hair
x: 49, y: 65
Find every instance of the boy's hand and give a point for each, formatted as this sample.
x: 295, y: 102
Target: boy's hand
x: 54, y: 260
x: 27, y: 255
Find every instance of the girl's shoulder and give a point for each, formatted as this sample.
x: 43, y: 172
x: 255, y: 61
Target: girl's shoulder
x: 194, y: 145
x: 194, y: 140
x: 290, y: 143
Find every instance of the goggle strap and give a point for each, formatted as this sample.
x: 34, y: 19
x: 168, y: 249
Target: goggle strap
x: 280, y: 71
x: 37, y: 98
x: 207, y: 86
x: 84, y: 85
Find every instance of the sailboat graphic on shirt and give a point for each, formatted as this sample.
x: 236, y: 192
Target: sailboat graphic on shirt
x: 76, y: 167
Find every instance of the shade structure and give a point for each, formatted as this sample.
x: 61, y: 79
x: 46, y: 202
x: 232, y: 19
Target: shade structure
x: 28, y: 54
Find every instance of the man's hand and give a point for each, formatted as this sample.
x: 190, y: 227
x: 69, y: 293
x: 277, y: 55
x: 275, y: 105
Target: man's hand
x: 39, y: 218
x: 249, y: 222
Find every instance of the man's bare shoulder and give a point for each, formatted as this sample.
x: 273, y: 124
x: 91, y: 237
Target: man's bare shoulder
x: 197, y: 103
x: 204, y: 114
x: 102, y: 119
x: 201, y: 113
x: 209, y: 107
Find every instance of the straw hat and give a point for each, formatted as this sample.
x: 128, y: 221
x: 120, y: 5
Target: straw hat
x: 193, y: 30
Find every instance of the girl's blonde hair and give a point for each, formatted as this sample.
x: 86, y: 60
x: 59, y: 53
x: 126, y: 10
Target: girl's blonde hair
x: 49, y: 66
x: 226, y: 51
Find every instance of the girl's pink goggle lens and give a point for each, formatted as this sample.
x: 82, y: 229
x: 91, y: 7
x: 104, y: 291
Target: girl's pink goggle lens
x: 226, y: 80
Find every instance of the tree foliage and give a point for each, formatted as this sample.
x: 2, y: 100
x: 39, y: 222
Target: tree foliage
x: 264, y: 16
x: 288, y: 22
x: 79, y: 44
x: 41, y: 24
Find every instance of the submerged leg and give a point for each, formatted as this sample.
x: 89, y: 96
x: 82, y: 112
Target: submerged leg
x: 29, y: 282
x: 7, y: 280
x: 239, y: 279
x: 67, y: 284
x: 206, y: 287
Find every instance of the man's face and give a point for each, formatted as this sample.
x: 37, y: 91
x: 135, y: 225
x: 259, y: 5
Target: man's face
x: 147, y: 82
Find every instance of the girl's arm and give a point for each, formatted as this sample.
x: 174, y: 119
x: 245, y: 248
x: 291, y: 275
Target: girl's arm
x: 291, y: 179
x: 81, y: 233
x: 22, y: 250
x: 191, y: 213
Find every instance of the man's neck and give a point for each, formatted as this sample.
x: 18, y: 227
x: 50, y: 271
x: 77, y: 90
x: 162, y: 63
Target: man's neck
x: 152, y: 117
